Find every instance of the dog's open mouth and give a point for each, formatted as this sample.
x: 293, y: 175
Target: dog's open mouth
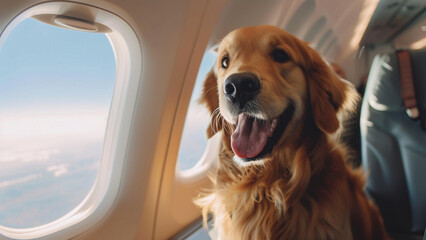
x: 254, y: 138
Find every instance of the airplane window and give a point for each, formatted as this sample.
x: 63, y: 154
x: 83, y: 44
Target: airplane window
x: 194, y: 139
x: 56, y: 87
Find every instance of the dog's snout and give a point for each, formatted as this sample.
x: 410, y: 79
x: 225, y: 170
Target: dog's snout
x: 240, y: 88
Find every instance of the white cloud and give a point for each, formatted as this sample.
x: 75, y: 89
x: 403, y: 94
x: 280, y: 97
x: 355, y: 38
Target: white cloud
x: 19, y: 180
x: 58, y: 170
x: 14, y: 155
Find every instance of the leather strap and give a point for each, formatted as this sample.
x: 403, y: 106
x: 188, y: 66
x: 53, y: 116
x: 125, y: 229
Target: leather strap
x: 407, y: 84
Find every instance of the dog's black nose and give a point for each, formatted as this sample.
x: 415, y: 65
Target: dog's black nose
x: 240, y: 88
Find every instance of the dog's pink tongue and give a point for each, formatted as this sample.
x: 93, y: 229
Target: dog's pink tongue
x: 250, y: 136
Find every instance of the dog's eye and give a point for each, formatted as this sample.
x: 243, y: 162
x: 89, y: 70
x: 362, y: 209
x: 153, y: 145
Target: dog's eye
x: 280, y: 56
x: 225, y: 62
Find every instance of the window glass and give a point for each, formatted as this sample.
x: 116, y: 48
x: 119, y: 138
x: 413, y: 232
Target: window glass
x: 56, y: 87
x: 194, y: 139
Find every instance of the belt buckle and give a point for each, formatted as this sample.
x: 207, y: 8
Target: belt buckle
x: 413, y: 112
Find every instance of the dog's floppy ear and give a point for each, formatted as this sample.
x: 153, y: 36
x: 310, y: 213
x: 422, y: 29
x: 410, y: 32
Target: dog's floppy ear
x: 209, y: 97
x: 327, y: 92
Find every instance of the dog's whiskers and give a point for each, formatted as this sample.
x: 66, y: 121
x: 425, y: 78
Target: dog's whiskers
x: 214, y: 123
x: 217, y: 122
x: 227, y: 127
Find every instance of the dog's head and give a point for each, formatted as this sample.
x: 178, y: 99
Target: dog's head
x: 264, y: 82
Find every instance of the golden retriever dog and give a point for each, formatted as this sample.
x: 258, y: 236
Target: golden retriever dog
x: 281, y: 172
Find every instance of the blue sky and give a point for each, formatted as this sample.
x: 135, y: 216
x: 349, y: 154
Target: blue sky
x: 42, y: 64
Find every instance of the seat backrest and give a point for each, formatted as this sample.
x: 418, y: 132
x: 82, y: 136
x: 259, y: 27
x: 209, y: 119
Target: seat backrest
x: 394, y: 146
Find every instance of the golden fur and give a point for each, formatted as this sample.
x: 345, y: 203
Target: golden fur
x: 303, y: 188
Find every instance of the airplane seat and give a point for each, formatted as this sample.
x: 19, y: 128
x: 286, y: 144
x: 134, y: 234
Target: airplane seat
x: 394, y: 146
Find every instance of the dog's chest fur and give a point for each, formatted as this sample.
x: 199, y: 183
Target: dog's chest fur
x: 253, y: 204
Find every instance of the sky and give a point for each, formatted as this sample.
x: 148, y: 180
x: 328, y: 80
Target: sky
x: 40, y: 63
x: 56, y: 87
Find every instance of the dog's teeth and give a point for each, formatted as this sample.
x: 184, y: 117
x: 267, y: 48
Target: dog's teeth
x: 274, y: 123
